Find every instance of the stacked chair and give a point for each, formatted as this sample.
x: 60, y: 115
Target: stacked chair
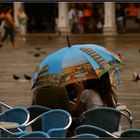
x: 35, y: 111
x: 17, y: 115
x: 36, y: 134
x: 105, y: 117
x: 103, y: 121
x: 131, y: 133
x: 54, y: 123
x: 90, y: 129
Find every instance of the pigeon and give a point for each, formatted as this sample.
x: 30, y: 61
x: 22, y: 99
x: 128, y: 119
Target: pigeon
x: 49, y: 37
x: 1, y: 45
x: 135, y: 77
x: 37, y: 55
x: 38, y: 48
x: 16, y: 77
x: 119, y: 55
x: 27, y: 77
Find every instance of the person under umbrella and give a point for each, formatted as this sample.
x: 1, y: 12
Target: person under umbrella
x: 95, y: 93
x: 51, y: 96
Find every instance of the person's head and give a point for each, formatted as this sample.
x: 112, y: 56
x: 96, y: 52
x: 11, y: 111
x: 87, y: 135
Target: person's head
x: 93, y: 84
x: 21, y: 9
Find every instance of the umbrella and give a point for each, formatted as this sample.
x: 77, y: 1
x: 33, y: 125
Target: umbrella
x: 75, y: 63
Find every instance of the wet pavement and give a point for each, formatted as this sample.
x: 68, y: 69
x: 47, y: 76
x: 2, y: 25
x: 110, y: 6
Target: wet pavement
x: 22, y: 61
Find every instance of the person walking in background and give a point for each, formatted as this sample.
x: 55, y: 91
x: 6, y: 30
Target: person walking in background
x: 9, y: 26
x: 22, y: 22
x: 120, y: 17
x: 81, y: 20
x: 138, y: 15
x: 73, y: 20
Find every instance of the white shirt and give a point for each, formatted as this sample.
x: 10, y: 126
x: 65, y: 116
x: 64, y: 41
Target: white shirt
x: 90, y: 98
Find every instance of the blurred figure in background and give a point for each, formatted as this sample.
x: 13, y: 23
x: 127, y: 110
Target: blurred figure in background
x: 9, y: 26
x: 22, y: 22
x: 73, y: 20
x: 81, y: 20
x: 120, y: 17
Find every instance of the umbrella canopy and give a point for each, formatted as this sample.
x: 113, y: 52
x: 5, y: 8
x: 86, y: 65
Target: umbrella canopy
x: 73, y: 64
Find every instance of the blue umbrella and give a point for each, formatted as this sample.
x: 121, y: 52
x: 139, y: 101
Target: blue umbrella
x: 75, y: 63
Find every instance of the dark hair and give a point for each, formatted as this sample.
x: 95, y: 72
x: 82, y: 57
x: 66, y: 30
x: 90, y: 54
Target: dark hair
x: 93, y: 84
x: 108, y: 96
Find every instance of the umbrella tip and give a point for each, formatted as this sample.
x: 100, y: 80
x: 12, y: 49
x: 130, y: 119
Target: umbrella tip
x: 68, y: 42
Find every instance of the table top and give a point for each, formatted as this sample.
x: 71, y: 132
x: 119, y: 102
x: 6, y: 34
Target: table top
x: 9, y: 125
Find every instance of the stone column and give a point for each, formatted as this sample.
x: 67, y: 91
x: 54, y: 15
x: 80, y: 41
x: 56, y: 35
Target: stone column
x: 63, y: 24
x: 16, y: 6
x: 109, y: 19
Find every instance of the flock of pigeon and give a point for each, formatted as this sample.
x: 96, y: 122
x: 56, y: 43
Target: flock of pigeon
x: 36, y: 54
x: 27, y: 77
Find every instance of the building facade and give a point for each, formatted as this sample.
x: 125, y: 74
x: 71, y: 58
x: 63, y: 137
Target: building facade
x: 60, y: 19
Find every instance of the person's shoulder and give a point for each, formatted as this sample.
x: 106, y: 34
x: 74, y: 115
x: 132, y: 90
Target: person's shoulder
x: 86, y: 91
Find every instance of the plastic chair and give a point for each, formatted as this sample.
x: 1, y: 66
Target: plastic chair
x: 82, y: 129
x: 6, y: 133
x: 4, y: 105
x: 104, y: 117
x: 35, y: 111
x: 131, y: 133
x: 18, y: 115
x: 54, y: 122
x: 86, y: 135
x: 35, y: 134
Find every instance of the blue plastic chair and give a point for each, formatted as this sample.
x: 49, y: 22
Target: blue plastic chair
x: 35, y: 134
x: 90, y: 129
x: 54, y: 122
x: 18, y: 115
x: 4, y: 105
x: 35, y: 111
x: 104, y: 117
x: 86, y: 135
x: 131, y: 133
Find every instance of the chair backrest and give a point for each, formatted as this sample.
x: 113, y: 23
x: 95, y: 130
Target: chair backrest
x: 82, y: 129
x: 35, y: 134
x: 4, y: 106
x: 56, y: 122
x: 131, y: 133
x: 18, y: 115
x: 103, y: 117
x: 86, y: 135
x: 36, y: 110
